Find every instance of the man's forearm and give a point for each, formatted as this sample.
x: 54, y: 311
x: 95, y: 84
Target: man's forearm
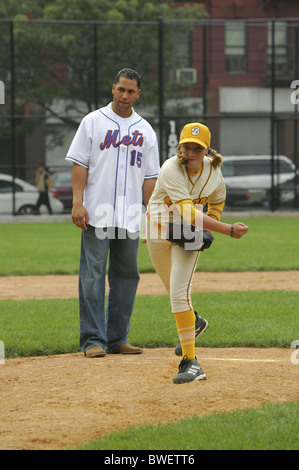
x: 79, y: 213
x: 79, y: 179
x: 147, y: 189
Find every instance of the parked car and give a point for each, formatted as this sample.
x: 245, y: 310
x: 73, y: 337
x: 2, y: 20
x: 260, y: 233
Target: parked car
x: 288, y: 193
x: 241, y: 197
x: 254, y: 172
x: 62, y: 189
x: 26, y: 196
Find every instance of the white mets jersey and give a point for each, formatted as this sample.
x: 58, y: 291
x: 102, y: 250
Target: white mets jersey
x: 175, y: 186
x: 119, y: 153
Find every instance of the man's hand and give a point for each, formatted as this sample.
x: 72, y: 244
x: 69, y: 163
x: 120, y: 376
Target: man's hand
x: 80, y: 215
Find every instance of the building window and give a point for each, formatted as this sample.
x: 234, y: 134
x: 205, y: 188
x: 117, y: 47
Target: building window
x: 182, y: 73
x: 182, y: 43
x: 235, y: 47
x: 280, y: 46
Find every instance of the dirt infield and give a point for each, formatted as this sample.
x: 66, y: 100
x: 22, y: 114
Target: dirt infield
x: 35, y: 287
x: 56, y: 402
x: 59, y: 401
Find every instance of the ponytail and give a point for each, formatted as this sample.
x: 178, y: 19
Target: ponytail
x: 182, y: 159
x: 217, y: 159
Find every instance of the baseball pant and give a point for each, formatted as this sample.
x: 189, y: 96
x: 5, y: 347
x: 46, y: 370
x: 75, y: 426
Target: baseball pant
x: 175, y: 267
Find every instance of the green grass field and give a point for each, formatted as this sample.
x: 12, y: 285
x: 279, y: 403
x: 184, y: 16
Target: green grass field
x: 255, y: 319
x: 271, y: 427
x: 245, y: 319
x: 271, y: 244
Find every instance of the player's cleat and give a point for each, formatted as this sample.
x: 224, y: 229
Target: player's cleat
x: 189, y: 370
x: 201, y: 324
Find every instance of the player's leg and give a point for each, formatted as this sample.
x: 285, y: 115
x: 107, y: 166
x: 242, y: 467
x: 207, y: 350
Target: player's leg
x: 182, y: 270
x: 93, y: 261
x: 183, y: 267
x: 177, y: 276
x: 160, y: 254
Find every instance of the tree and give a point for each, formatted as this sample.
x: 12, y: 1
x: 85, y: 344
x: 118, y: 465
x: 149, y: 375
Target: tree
x: 73, y: 55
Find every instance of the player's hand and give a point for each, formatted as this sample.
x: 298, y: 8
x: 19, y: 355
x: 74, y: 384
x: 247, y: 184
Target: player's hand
x: 80, y: 216
x: 240, y: 229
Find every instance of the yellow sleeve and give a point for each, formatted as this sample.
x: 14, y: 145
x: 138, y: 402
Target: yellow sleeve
x: 187, y: 210
x: 215, y: 209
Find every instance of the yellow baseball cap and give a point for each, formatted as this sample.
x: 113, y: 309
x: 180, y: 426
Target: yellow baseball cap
x: 196, y: 132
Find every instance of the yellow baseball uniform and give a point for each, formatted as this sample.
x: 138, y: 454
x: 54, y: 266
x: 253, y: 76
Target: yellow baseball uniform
x: 175, y: 185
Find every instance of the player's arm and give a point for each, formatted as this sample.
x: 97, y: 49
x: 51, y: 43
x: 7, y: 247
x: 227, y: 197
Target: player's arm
x: 196, y: 217
x: 79, y: 212
x: 211, y: 220
x: 236, y: 230
x: 215, y: 210
x: 216, y: 200
x: 147, y: 189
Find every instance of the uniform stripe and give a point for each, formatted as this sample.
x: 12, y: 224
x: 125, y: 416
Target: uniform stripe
x: 117, y: 161
x: 155, y: 175
x: 207, y: 180
x: 188, y: 297
x: 77, y: 161
x: 185, y: 343
x: 186, y: 333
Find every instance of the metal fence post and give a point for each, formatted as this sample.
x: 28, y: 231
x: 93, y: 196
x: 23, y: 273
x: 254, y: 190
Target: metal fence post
x: 204, y: 69
x: 161, y: 83
x: 296, y: 51
x: 13, y: 117
x: 95, y: 58
x: 273, y: 201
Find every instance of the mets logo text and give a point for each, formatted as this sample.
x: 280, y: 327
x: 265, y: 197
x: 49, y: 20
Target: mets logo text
x: 112, y: 138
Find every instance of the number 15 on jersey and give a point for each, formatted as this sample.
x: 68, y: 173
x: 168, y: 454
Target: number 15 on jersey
x: 136, y: 157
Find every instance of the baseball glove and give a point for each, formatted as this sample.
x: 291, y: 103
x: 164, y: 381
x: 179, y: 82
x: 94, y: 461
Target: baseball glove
x: 189, y: 237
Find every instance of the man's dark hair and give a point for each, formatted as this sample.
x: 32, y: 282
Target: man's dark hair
x: 130, y: 75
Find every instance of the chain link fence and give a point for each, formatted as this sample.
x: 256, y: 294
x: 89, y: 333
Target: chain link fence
x: 238, y: 77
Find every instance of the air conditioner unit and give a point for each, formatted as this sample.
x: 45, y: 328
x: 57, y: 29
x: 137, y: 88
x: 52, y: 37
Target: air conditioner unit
x: 186, y: 75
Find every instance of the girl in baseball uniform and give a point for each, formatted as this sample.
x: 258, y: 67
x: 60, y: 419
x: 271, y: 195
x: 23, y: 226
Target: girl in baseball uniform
x: 186, y: 183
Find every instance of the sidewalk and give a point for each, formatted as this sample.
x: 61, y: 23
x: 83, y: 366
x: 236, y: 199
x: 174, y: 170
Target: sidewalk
x: 45, y: 218
x: 29, y: 219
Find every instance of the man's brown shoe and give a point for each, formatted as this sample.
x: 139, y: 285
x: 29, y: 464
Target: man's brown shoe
x: 95, y: 351
x: 126, y: 348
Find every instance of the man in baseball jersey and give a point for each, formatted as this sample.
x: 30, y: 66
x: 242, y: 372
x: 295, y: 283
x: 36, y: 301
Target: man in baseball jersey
x: 115, y: 166
x: 186, y: 183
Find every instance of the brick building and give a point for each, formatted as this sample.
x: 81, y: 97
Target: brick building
x: 230, y: 58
